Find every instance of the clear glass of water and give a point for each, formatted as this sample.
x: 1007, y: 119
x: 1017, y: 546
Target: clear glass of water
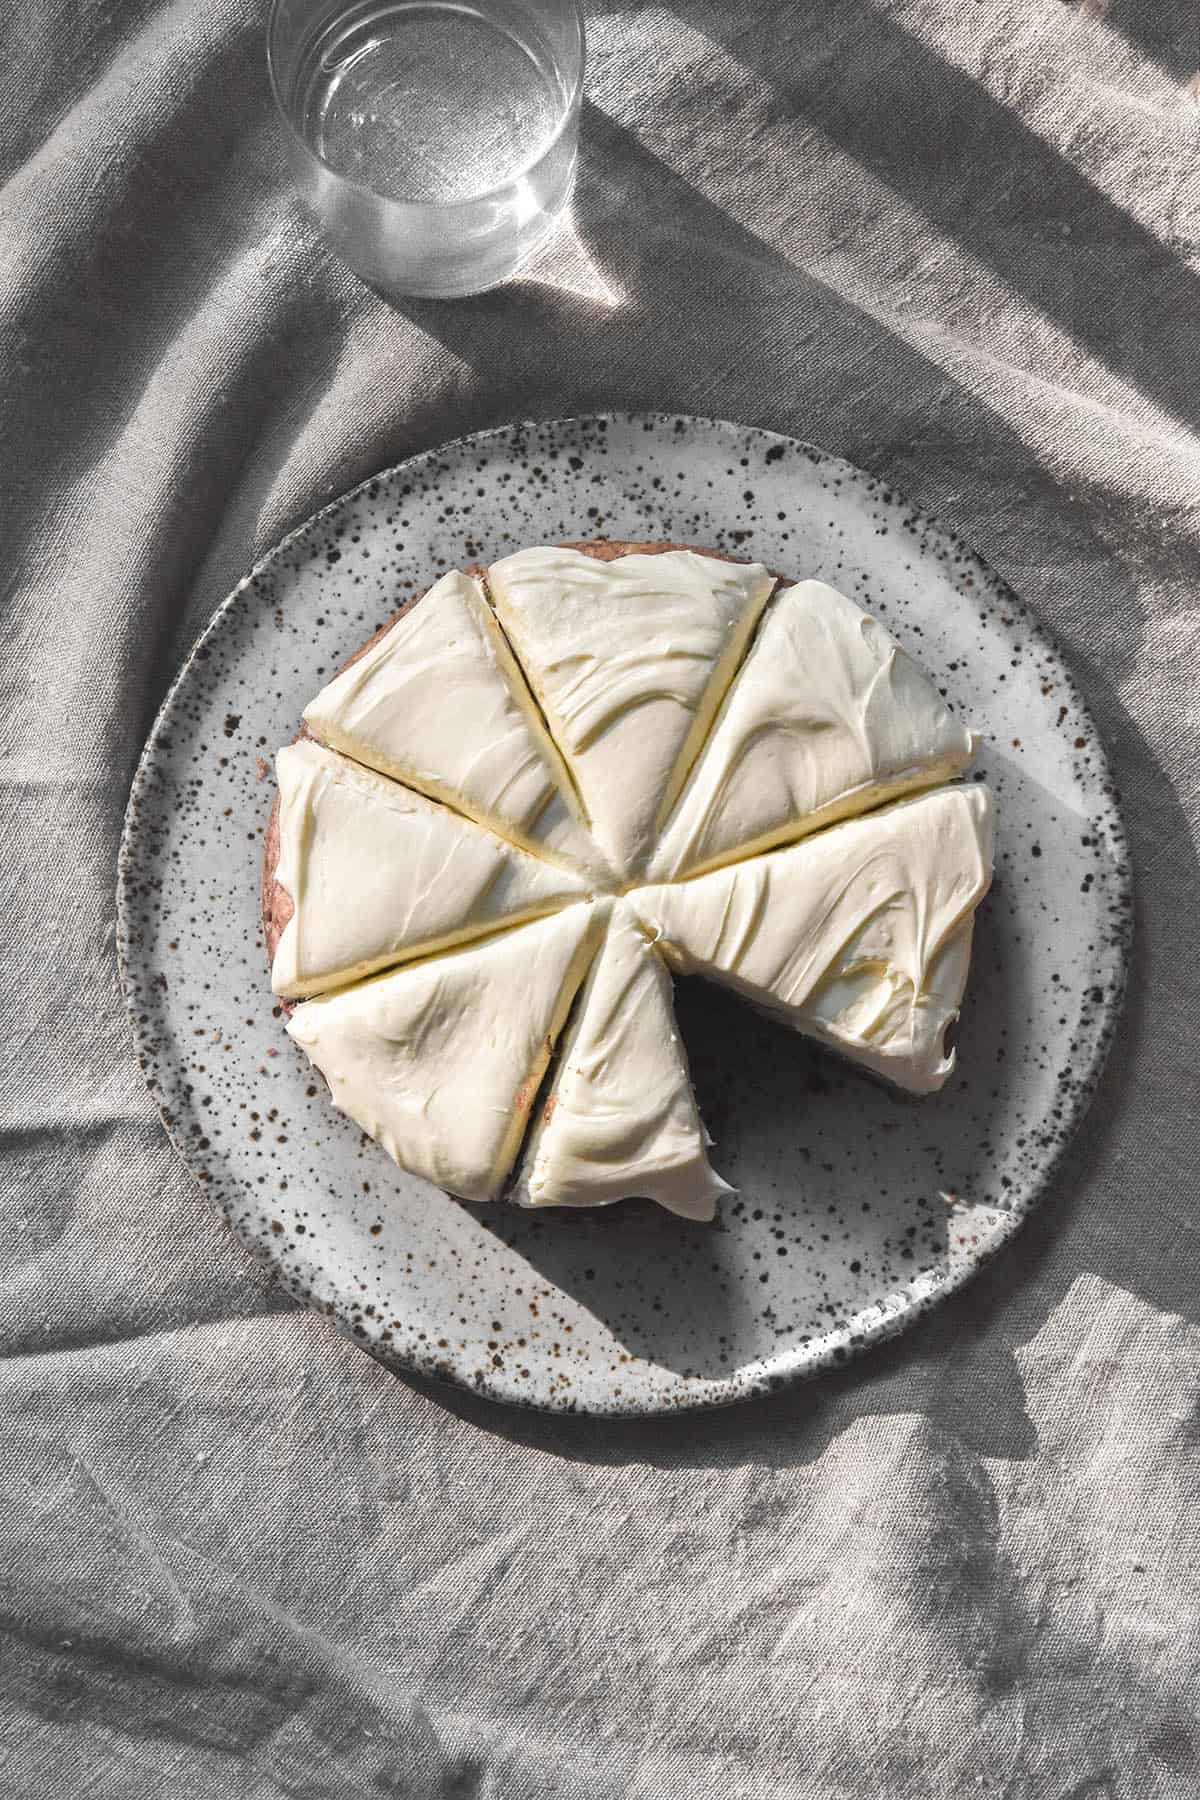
x: 434, y: 140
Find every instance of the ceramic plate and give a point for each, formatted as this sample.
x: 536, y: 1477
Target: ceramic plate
x: 856, y: 1210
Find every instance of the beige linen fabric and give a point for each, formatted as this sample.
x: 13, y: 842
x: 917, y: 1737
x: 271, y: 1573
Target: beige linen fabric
x: 958, y: 243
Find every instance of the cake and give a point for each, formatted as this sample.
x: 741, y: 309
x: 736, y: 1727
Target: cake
x: 543, y: 786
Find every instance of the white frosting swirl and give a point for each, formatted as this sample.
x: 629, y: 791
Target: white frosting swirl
x: 628, y: 660
x: 620, y: 1118
x: 439, y: 704
x: 378, y: 874
x: 860, y: 936
x: 440, y: 1062
x: 826, y: 718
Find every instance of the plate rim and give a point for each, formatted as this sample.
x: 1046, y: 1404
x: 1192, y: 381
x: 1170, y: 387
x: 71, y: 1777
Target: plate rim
x: 834, y: 1348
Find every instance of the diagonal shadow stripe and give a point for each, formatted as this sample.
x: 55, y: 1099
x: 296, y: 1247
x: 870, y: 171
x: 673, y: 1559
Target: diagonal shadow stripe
x: 1167, y: 32
x: 717, y: 320
x: 43, y: 82
x: 960, y: 1366
x: 936, y: 138
x: 715, y: 317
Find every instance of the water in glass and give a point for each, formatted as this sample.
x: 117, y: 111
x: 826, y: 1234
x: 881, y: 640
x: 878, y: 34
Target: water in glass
x: 436, y: 140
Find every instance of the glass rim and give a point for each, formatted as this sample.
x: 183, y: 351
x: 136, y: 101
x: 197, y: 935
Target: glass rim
x: 426, y: 206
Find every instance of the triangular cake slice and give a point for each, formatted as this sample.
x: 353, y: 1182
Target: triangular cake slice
x: 826, y: 718
x: 620, y: 1119
x: 629, y: 660
x: 860, y: 937
x: 438, y: 703
x: 377, y: 874
x: 440, y: 1062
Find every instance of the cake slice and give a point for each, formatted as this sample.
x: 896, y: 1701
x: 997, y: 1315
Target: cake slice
x: 827, y: 717
x: 437, y: 702
x: 377, y: 874
x: 860, y: 937
x: 440, y: 1062
x: 620, y: 1119
x: 628, y: 659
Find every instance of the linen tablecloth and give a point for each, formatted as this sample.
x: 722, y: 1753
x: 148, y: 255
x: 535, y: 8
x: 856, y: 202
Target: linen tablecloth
x: 956, y: 241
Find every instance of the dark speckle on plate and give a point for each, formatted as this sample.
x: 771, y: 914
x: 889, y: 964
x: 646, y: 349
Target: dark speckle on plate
x: 856, y: 1210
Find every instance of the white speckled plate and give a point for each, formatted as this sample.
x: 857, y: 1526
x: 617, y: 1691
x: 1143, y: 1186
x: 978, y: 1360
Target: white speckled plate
x: 856, y: 1210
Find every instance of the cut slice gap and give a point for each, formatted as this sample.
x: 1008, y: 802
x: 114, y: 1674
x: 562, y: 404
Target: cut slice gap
x: 880, y: 801
x: 546, y: 1085
x: 629, y: 659
x: 860, y: 937
x: 827, y: 718
x: 591, y: 871
x: 376, y: 874
x: 438, y: 703
x: 564, y: 774
x: 619, y: 1120
x: 439, y: 1062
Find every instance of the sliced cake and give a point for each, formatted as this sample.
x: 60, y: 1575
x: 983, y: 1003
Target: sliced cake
x: 375, y: 874
x: 440, y: 1062
x: 620, y: 1118
x: 860, y: 936
x: 437, y: 702
x: 827, y: 717
x: 629, y: 660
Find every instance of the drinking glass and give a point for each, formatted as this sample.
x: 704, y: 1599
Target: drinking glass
x: 434, y: 140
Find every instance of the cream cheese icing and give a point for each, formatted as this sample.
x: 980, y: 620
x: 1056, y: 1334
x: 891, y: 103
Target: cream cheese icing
x: 629, y: 661
x: 440, y: 704
x: 827, y: 717
x: 441, y: 1061
x: 378, y: 874
x: 860, y: 936
x: 654, y: 701
x: 620, y: 1118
